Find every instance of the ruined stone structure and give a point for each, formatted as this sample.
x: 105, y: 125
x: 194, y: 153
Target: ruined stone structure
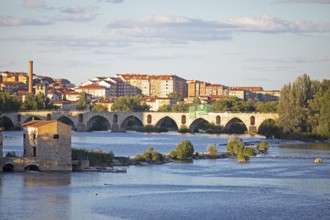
x: 118, y: 121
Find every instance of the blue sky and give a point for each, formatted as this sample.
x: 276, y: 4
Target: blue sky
x: 237, y: 43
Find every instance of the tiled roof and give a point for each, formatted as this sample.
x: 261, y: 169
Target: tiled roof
x: 40, y: 123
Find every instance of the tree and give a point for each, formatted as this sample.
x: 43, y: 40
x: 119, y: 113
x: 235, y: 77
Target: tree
x: 235, y: 145
x: 212, y: 149
x: 293, y: 105
x: 176, y: 96
x: 29, y: 103
x: 324, y: 124
x: 129, y: 104
x: 184, y: 150
x: 99, y: 108
x: 180, y: 107
x: 165, y: 108
x: 8, y: 102
x: 82, y: 101
x: 267, y: 107
x: 197, y: 101
x: 263, y: 146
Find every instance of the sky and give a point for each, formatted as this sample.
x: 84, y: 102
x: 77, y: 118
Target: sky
x: 265, y: 43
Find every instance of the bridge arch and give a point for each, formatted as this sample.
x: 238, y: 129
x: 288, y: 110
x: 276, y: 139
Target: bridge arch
x: 199, y: 122
x: 267, y: 128
x: 31, y: 167
x: 31, y: 118
x: 8, y: 167
x: 131, y: 122
x: 67, y: 121
x: 6, y: 123
x: 98, y: 123
x: 167, y: 122
x: 236, y: 126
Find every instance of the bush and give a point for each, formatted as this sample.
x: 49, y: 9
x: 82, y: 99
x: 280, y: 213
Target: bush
x: 183, y: 130
x: 150, y: 155
x: 172, y: 154
x: 96, y: 158
x: 249, y: 151
x: 242, y: 158
x: 184, y: 150
x: 212, y: 149
x: 235, y: 145
x: 263, y: 146
x: 151, y: 129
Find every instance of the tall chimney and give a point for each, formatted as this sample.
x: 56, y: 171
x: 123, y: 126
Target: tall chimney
x: 30, y: 76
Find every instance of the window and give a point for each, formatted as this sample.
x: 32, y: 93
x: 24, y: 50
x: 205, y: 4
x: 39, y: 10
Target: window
x: 24, y: 135
x: 56, y: 136
x: 34, y: 136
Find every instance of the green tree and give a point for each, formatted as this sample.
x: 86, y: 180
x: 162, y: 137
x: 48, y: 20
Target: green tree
x: 176, y: 96
x: 8, y: 102
x: 197, y: 101
x: 293, y: 105
x: 267, y: 107
x: 184, y: 150
x: 30, y: 103
x: 180, y: 107
x: 82, y: 101
x: 212, y: 149
x: 99, y: 108
x: 235, y: 145
x: 165, y: 108
x: 323, y: 127
x: 263, y: 146
x: 129, y: 104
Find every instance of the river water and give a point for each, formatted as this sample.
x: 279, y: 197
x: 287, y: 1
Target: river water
x: 283, y: 184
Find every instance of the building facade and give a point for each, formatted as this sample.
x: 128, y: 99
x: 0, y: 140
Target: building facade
x: 49, y: 142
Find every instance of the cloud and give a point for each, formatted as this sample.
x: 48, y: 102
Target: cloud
x: 179, y: 29
x: 268, y: 24
x: 16, y: 21
x: 174, y: 29
x: 36, y: 4
x: 76, y: 12
x: 112, y: 1
x: 305, y: 1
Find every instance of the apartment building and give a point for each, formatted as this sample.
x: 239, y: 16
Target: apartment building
x: 203, y: 89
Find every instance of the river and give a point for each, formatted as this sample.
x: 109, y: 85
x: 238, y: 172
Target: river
x: 283, y: 184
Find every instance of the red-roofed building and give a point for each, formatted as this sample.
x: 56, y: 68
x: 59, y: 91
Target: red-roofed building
x: 95, y: 90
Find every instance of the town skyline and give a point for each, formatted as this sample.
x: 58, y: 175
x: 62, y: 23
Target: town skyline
x: 264, y: 43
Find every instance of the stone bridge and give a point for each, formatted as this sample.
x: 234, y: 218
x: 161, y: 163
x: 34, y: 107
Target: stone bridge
x: 118, y: 121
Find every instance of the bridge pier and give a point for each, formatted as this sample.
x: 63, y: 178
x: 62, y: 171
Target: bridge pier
x: 81, y: 127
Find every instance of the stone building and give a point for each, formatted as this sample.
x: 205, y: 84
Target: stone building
x: 49, y: 143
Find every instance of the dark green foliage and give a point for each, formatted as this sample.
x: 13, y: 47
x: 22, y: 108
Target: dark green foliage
x: 150, y: 155
x: 96, y: 158
x: 235, y: 145
x: 83, y: 101
x: 184, y: 150
x: 304, y: 107
x: 269, y: 129
x: 263, y: 146
x: 249, y: 151
x: 8, y: 102
x: 234, y: 104
x: 99, y: 124
x: 267, y: 107
x: 210, y: 128
x: 129, y: 104
x: 99, y: 108
x: 176, y: 96
x: 37, y: 102
x: 165, y: 108
x: 180, y: 107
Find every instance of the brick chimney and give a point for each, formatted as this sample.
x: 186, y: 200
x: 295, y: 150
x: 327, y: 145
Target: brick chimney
x: 30, y: 76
